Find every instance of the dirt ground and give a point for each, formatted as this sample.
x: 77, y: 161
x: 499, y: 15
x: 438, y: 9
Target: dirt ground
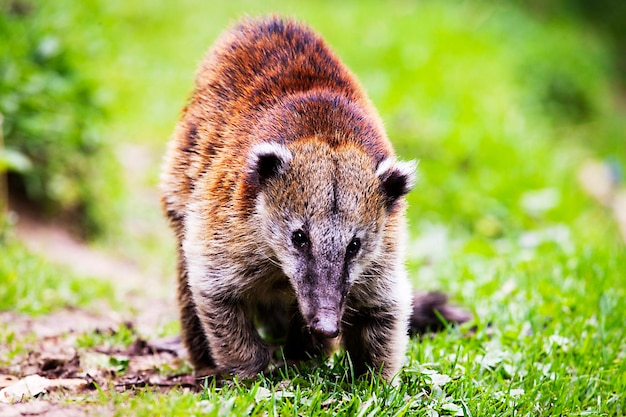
x: 52, y: 370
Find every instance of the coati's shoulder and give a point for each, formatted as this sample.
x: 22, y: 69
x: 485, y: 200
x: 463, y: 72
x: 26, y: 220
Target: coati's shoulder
x: 258, y: 61
x: 259, y: 65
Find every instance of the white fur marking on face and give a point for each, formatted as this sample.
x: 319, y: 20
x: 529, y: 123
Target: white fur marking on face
x: 269, y: 148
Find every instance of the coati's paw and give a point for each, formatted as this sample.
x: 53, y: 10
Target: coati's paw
x: 205, y: 372
x: 257, y: 360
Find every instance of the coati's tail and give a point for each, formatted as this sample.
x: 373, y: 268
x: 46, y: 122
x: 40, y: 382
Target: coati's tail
x: 432, y: 312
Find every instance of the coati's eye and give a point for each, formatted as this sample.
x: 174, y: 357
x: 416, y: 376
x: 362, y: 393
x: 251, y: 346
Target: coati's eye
x: 299, y: 239
x: 353, y: 247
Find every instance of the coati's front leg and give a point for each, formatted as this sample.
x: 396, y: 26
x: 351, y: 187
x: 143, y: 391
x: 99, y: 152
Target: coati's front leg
x: 376, y: 339
x: 192, y: 333
x: 235, y: 344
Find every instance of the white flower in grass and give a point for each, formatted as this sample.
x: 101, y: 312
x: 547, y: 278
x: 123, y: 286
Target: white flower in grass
x: 452, y: 408
x: 435, y: 377
x: 509, y: 397
x: 562, y: 342
x: 492, y: 358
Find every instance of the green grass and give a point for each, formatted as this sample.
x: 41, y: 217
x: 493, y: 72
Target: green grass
x: 29, y: 284
x: 548, y: 341
x: 120, y: 338
x: 501, y: 109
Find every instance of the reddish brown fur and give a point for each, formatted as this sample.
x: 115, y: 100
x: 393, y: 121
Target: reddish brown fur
x: 248, y: 71
x: 273, y: 80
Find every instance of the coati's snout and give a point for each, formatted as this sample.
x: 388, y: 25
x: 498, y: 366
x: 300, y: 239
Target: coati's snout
x: 325, y: 324
x: 321, y: 298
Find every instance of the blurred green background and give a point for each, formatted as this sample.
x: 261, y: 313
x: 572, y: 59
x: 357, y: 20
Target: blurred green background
x: 495, y: 99
x: 502, y: 103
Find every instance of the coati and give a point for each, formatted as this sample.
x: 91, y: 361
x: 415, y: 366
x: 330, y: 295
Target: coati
x: 287, y: 201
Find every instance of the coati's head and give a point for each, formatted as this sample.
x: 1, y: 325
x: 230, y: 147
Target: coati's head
x: 322, y: 210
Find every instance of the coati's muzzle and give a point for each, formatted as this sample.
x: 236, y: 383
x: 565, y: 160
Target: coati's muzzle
x: 325, y: 324
x: 322, y: 301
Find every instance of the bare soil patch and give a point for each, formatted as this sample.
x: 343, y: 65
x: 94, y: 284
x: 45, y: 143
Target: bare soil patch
x: 51, y: 375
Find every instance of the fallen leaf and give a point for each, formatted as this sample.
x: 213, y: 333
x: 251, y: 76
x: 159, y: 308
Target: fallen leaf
x: 27, y: 387
x: 6, y: 380
x: 50, y: 409
x: 138, y: 380
x: 141, y: 347
x: 516, y: 392
x: 33, y: 385
x: 435, y: 377
x: 283, y: 394
x: 150, y: 362
x: 262, y: 393
x: 284, y: 385
x: 453, y: 409
x: 491, y: 358
x: 59, y: 366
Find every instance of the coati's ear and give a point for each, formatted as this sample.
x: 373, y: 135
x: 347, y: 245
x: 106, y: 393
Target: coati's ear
x: 397, y: 178
x: 268, y: 159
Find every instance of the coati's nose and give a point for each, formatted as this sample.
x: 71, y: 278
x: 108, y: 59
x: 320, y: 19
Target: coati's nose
x: 325, y: 327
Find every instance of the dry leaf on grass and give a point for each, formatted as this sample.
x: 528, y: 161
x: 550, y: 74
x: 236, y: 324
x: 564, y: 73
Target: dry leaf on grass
x: 6, y: 380
x: 25, y: 388
x: 33, y: 385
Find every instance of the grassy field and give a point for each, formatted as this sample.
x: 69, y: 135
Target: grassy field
x: 502, y: 109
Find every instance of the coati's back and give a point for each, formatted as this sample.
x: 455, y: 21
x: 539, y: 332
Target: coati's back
x: 264, y: 76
